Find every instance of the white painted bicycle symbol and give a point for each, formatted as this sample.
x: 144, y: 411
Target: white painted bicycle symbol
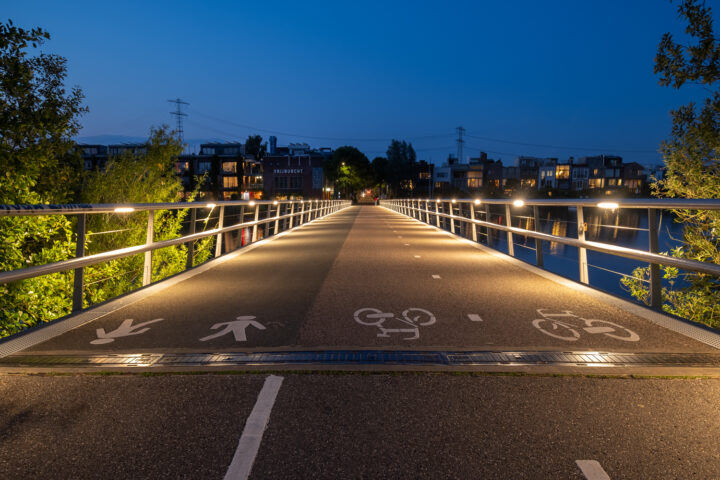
x: 412, y: 317
x: 566, y: 326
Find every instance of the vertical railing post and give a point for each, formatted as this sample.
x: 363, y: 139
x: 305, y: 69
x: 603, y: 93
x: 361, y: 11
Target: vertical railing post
x: 255, y: 225
x: 451, y: 206
x: 427, y: 212
x: 582, y: 252
x: 472, y: 223
x: 656, y: 300
x: 488, y: 231
x: 268, y: 213
x: 292, y: 214
x: 508, y: 222
x: 190, y: 245
x: 218, y: 240
x: 437, y: 213
x: 538, y: 243
x: 79, y: 277
x: 242, y: 220
x: 277, y: 218
x: 149, y: 235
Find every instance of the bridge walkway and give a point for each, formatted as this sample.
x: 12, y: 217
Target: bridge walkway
x: 325, y: 285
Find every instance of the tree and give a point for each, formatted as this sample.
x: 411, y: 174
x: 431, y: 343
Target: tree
x: 401, y: 167
x: 380, y: 166
x: 37, y: 163
x: 692, y: 158
x: 349, y: 169
x: 254, y: 146
x: 138, y: 178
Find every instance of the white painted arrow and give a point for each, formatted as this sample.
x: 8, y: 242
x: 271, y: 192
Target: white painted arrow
x: 237, y: 328
x: 125, y: 329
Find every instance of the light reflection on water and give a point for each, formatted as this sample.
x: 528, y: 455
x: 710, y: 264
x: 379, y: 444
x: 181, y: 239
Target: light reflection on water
x: 627, y: 228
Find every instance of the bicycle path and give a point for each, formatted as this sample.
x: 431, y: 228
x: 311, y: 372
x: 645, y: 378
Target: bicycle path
x: 311, y: 288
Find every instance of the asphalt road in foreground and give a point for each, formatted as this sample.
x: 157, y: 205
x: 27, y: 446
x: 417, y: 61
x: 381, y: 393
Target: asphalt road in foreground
x: 367, y: 277
x: 359, y: 426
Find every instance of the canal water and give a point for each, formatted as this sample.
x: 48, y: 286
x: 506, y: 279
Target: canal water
x: 626, y: 228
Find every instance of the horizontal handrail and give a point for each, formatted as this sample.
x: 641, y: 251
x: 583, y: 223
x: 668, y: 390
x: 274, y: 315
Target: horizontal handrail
x: 432, y: 209
x: 327, y: 206
x: 77, y: 208
x: 659, y: 203
x: 687, y: 264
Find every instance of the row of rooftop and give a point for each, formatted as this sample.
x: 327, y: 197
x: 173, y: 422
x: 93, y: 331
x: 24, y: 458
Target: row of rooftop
x: 296, y: 170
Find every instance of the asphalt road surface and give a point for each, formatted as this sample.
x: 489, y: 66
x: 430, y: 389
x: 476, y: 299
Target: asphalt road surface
x: 359, y: 426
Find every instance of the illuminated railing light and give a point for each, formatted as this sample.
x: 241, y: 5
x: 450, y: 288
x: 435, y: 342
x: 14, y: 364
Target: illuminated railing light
x: 610, y: 205
x: 275, y: 202
x: 124, y: 209
x: 477, y: 201
x: 454, y: 201
x: 211, y: 205
x: 519, y: 203
x: 252, y: 204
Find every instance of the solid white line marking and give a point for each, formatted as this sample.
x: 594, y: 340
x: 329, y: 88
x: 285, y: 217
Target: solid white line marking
x: 437, y: 277
x: 592, y: 470
x: 474, y: 317
x: 249, y: 444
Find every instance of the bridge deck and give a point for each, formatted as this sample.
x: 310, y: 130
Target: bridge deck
x: 312, y: 288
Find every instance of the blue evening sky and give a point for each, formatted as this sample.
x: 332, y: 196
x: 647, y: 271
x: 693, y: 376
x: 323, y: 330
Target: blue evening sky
x: 576, y: 75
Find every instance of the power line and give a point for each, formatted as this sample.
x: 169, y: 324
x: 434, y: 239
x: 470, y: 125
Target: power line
x: 313, y: 137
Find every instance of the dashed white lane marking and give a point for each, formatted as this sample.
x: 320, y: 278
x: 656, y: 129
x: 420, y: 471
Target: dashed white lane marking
x: 436, y: 277
x: 592, y: 470
x: 416, y: 256
x: 474, y: 317
x: 249, y: 444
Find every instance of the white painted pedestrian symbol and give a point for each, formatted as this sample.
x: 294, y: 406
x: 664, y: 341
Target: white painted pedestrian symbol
x: 237, y: 328
x: 125, y: 329
x: 565, y: 325
x: 412, y: 318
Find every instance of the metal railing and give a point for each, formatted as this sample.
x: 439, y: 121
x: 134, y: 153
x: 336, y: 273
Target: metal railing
x: 273, y: 215
x: 452, y: 213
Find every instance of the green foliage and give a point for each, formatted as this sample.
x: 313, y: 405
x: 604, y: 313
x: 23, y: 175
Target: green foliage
x: 693, y: 165
x: 37, y: 120
x: 700, y: 304
x: 349, y: 169
x: 137, y: 178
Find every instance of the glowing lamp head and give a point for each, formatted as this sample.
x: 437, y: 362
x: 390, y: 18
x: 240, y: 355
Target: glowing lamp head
x: 454, y: 201
x: 124, y: 210
x: 477, y: 201
x: 211, y: 205
x: 275, y: 202
x: 519, y: 203
x: 609, y: 205
x: 252, y: 203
